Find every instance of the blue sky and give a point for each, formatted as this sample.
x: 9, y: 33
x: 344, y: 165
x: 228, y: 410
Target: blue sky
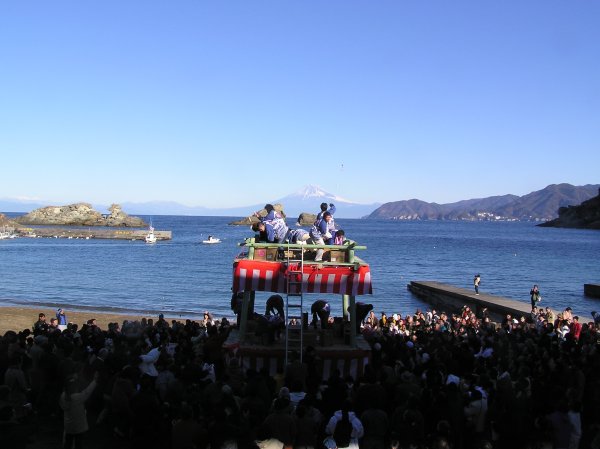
x: 223, y: 104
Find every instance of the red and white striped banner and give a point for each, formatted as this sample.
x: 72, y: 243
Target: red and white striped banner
x: 272, y: 277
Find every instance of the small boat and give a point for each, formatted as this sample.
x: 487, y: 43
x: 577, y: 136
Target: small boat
x: 7, y: 233
x: 150, y: 237
x: 211, y: 240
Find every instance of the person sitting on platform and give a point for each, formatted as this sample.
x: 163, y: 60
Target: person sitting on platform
x: 321, y: 309
x: 362, y: 310
x: 274, y: 224
x: 264, y: 232
x: 321, y: 233
x: 331, y: 222
x: 275, y: 306
x: 268, y: 327
x: 298, y: 236
x: 340, y: 237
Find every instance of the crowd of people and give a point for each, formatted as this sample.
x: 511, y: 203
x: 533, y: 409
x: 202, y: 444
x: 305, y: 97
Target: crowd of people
x: 435, y: 380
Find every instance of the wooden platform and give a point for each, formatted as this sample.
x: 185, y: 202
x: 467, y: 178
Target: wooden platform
x: 451, y: 299
x: 332, y: 348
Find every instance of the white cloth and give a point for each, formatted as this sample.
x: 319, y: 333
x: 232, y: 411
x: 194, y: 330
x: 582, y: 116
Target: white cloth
x: 357, y: 428
x: 146, y: 366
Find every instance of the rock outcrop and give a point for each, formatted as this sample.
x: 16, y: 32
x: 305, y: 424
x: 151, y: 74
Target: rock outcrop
x: 304, y: 219
x: 6, y: 222
x: 251, y: 219
x: 79, y: 214
x: 584, y: 216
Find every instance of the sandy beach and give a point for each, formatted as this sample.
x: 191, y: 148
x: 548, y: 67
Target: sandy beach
x: 19, y: 318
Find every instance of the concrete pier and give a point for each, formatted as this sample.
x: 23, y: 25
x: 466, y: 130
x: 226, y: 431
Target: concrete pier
x: 91, y: 233
x: 451, y: 299
x: 592, y: 290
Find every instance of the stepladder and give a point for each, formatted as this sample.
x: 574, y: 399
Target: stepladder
x: 294, y: 305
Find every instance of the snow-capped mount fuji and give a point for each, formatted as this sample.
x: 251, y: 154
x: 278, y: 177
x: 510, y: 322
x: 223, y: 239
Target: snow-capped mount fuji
x: 309, y: 198
x: 310, y: 192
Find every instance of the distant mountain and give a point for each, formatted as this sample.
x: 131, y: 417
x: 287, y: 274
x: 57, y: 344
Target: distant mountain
x: 166, y: 208
x: 306, y: 199
x: 17, y: 205
x: 583, y: 216
x: 310, y: 197
x: 541, y: 205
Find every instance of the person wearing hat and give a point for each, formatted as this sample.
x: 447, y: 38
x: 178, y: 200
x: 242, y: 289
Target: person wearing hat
x: 62, y: 319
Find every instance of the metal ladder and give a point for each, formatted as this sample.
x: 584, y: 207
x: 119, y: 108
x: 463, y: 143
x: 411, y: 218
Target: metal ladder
x: 294, y: 304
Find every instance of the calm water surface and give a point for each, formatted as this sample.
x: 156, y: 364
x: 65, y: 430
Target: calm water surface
x: 185, y: 277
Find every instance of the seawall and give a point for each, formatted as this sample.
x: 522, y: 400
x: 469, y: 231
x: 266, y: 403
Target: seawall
x: 451, y: 299
x: 592, y: 290
x: 91, y: 233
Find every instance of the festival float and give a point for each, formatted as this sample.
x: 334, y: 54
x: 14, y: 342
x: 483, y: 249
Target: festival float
x: 291, y: 271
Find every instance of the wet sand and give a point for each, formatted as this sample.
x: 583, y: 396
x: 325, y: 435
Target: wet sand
x: 19, y: 318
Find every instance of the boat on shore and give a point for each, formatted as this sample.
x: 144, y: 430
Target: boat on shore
x: 211, y: 240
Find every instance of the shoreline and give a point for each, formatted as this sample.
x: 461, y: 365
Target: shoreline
x: 18, y: 318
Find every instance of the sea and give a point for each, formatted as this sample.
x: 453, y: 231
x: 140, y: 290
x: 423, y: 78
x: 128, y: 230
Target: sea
x: 183, y: 277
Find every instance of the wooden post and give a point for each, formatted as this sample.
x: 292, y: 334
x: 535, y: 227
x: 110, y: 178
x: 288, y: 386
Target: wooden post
x: 345, y: 305
x: 352, y: 321
x: 244, y: 317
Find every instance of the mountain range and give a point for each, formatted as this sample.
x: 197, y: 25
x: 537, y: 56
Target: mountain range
x: 306, y: 199
x: 540, y: 205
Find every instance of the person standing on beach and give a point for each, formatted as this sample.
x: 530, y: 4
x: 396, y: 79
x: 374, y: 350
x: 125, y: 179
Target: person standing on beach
x: 40, y: 326
x: 536, y: 296
x: 62, y: 319
x: 476, y: 282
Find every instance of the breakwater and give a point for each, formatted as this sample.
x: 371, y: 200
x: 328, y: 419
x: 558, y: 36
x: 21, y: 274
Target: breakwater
x: 452, y: 299
x: 90, y: 233
x: 592, y: 290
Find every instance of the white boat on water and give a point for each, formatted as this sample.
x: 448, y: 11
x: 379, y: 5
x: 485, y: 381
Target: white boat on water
x: 150, y: 237
x: 7, y: 233
x: 210, y: 240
